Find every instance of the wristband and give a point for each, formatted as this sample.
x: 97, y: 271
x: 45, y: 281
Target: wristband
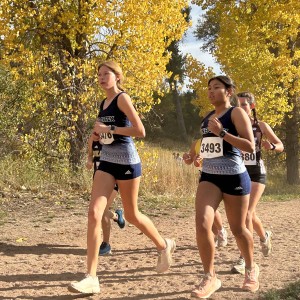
x: 112, y: 129
x: 222, y: 133
x: 273, y: 146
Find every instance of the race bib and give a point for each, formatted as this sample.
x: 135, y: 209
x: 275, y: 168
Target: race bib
x: 249, y: 158
x: 106, y: 138
x: 211, y: 147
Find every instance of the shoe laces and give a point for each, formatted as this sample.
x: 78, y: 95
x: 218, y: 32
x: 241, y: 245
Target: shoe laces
x: 267, y: 237
x: 159, y: 253
x: 222, y: 233
x: 250, y: 275
x: 87, y: 278
x: 264, y: 245
x: 221, y: 236
x: 207, y: 277
x: 240, y: 261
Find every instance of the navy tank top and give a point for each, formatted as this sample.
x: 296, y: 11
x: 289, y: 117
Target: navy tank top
x: 122, y: 149
x: 112, y: 115
x: 230, y: 163
x: 258, y: 167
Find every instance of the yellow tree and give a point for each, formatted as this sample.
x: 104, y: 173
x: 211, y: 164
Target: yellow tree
x: 199, y: 75
x: 257, y: 43
x: 54, y: 47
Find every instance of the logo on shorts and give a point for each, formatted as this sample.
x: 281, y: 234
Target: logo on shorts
x: 128, y: 172
x: 238, y: 188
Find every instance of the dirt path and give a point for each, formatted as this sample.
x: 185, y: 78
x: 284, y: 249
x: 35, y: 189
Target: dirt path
x: 43, y: 244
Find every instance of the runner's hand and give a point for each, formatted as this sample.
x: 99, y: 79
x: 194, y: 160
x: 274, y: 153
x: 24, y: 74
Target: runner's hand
x: 197, y: 161
x: 186, y: 156
x: 215, y: 126
x: 100, y: 127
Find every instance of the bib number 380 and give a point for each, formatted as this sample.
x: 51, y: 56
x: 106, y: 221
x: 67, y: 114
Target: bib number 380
x: 249, y: 158
x: 211, y: 147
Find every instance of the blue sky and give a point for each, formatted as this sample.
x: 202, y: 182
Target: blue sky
x: 192, y: 46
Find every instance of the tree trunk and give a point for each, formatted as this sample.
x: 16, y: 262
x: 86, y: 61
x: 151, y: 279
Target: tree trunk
x: 77, y: 141
x: 292, y: 144
x: 179, y: 114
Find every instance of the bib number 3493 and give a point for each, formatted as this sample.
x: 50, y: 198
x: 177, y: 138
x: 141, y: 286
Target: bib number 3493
x: 211, y: 147
x: 106, y: 138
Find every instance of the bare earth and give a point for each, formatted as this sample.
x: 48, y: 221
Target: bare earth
x: 43, y: 241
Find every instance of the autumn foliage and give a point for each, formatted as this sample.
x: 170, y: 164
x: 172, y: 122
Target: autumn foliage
x: 257, y: 43
x: 52, y: 48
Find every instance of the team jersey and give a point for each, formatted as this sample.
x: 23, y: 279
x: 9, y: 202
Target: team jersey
x: 116, y: 148
x: 253, y: 161
x: 220, y: 157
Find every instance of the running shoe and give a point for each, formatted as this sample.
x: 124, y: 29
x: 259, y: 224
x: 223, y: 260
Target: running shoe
x: 266, y: 246
x: 251, y: 279
x: 120, y: 220
x: 208, y: 285
x: 88, y: 285
x: 239, y: 266
x: 221, y: 239
x: 165, y: 256
x: 105, y: 249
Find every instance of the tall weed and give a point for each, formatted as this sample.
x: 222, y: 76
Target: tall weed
x: 165, y: 180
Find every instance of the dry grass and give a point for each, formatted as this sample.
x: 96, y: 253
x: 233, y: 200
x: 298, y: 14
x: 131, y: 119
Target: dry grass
x: 165, y: 181
x: 169, y: 178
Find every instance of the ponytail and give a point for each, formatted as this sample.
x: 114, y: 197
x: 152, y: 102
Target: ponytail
x: 254, y: 115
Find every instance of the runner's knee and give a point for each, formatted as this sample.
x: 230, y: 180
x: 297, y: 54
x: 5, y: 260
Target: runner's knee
x: 94, y: 215
x: 203, y: 225
x: 237, y: 230
x: 132, y: 217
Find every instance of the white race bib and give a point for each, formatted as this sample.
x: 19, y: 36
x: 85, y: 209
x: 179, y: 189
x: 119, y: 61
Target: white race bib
x: 211, y: 147
x: 249, y: 158
x: 106, y: 138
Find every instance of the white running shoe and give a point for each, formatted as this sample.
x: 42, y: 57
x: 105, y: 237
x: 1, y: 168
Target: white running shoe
x: 266, y: 246
x: 165, y: 256
x: 208, y: 285
x: 221, y: 238
x: 239, y: 266
x: 251, y: 282
x: 88, y: 285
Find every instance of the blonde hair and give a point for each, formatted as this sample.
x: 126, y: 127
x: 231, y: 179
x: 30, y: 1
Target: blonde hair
x: 251, y: 100
x: 116, y: 69
x: 248, y: 95
x: 234, y: 100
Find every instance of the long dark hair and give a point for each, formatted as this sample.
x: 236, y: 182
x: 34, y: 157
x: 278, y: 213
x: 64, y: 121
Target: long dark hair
x: 251, y: 100
x: 227, y: 81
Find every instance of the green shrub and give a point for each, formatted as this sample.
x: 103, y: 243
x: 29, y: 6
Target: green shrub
x: 290, y: 292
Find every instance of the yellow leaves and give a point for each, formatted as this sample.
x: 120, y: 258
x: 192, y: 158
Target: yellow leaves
x: 248, y: 10
x: 258, y: 46
x: 21, y: 240
x: 199, y: 75
x: 54, y: 47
